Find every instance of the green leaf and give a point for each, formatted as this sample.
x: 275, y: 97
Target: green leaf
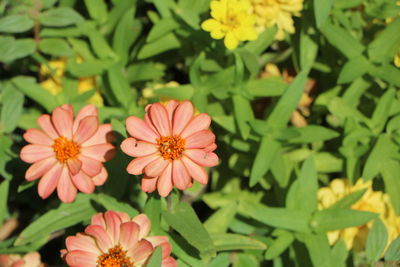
x: 55, y: 47
x: 386, y: 72
x: 250, y: 61
x: 185, y: 221
x: 98, y: 41
x: 60, y: 218
x: 153, y: 211
x: 162, y: 28
x: 11, y: 111
x: 280, y: 244
x: 318, y: 249
x: 243, y: 114
x: 383, y: 48
x: 339, y: 253
x: 335, y: 219
x: 377, y: 241
x: 393, y: 252
x: 60, y: 17
x: 11, y: 49
x: 322, y: 10
x: 156, y: 258
x: 308, y: 45
x: 263, y: 41
x: 327, y: 162
x: 347, y: 201
x: 111, y: 203
x: 144, y: 71
x: 220, y: 220
x: 264, y: 157
x: 4, y: 187
x: 269, y: 86
x: 235, y: 242
x: 313, y: 133
x: 354, y: 68
x: 183, y: 92
x: 166, y: 43
x: 31, y: 89
x: 390, y: 173
x: 382, y: 110
x: 15, y: 23
x: 87, y: 68
x: 97, y: 10
x: 295, y: 220
x: 120, y: 86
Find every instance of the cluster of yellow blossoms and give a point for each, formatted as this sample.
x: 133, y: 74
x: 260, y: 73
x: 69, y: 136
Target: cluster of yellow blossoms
x: 372, y: 201
x: 243, y: 20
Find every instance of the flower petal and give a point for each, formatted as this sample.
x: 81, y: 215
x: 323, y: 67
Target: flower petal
x: 79, y: 258
x: 200, y: 139
x: 202, y: 157
x: 169, y: 262
x: 171, y: 107
x: 198, y: 173
x: 86, y: 129
x: 49, y: 181
x: 38, y: 169
x: 198, y: 123
x: 144, y: 224
x: 88, y: 110
x: 101, y: 152
x: 82, y: 242
x: 230, y: 41
x: 66, y: 190
x: 137, y: 165
x: 156, y: 167
x: 138, y: 129
x: 113, y: 222
x: 83, y: 182
x: 103, y: 241
x: 149, y: 184
x: 161, y: 241
x: 62, y: 121
x: 38, y: 137
x: 141, y: 252
x: 98, y: 219
x: 129, y: 235
x: 103, y: 135
x: 164, y: 184
x: 47, y: 126
x: 182, y: 116
x: 90, y: 166
x: 34, y: 153
x: 180, y: 175
x: 135, y: 148
x: 159, y: 118
x: 74, y: 165
x: 100, y: 178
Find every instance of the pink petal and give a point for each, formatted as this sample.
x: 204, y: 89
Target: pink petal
x: 135, y: 148
x: 180, y: 175
x: 129, y: 235
x: 98, y: 219
x: 113, y: 223
x: 164, y: 184
x: 74, y: 165
x: 34, y: 153
x: 159, y: 118
x: 141, y: 251
x: 211, y: 147
x: 103, y: 135
x: 103, y: 241
x: 171, y: 108
x: 202, y: 157
x: 38, y: 169
x: 124, y: 216
x: 101, y: 152
x: 47, y: 126
x: 66, y: 190
x: 149, y: 184
x: 147, y: 120
x: 138, y: 129
x: 144, y: 224
x: 163, y: 242
x: 82, y: 242
x: 83, y: 182
x: 90, y: 166
x: 69, y: 109
x: 155, y: 168
x: 88, y: 110
x: 182, y: 116
x: 169, y: 262
x: 49, y: 181
x: 137, y: 165
x: 38, y: 137
x: 80, y: 258
x: 86, y: 129
x: 100, y: 178
x: 62, y: 120
x: 200, y: 139
x: 198, y: 123
x: 198, y: 173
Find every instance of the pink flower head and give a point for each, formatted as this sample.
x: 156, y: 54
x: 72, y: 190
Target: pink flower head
x: 31, y: 259
x: 113, y: 239
x: 68, y: 154
x: 171, y: 146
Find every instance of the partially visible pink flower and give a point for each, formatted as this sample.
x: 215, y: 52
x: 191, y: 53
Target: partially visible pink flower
x: 113, y: 239
x: 68, y: 153
x: 31, y: 259
x: 171, y: 146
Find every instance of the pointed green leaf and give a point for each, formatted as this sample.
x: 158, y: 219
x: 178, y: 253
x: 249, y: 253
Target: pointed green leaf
x: 376, y: 241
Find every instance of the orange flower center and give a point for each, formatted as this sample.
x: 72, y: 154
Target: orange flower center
x: 171, y: 147
x: 115, y: 257
x: 65, y: 149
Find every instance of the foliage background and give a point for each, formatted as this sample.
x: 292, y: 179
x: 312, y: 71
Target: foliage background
x: 260, y: 207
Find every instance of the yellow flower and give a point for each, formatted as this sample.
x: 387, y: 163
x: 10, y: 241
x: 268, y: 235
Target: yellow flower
x: 53, y: 84
x: 397, y: 59
x: 373, y: 201
x: 232, y: 20
x: 277, y: 12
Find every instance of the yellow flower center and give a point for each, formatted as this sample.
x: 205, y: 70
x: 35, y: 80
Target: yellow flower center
x: 65, y: 149
x: 116, y: 257
x: 171, y: 147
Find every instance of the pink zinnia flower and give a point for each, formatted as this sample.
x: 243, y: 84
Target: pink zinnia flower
x: 113, y: 239
x: 171, y: 146
x: 31, y: 259
x: 68, y: 154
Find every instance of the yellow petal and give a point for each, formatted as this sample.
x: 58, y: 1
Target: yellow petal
x: 397, y: 60
x: 210, y: 25
x: 218, y: 9
x: 230, y: 41
x: 217, y: 34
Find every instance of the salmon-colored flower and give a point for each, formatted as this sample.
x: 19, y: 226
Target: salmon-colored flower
x: 31, y: 259
x: 171, y: 146
x: 113, y: 239
x: 68, y: 154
